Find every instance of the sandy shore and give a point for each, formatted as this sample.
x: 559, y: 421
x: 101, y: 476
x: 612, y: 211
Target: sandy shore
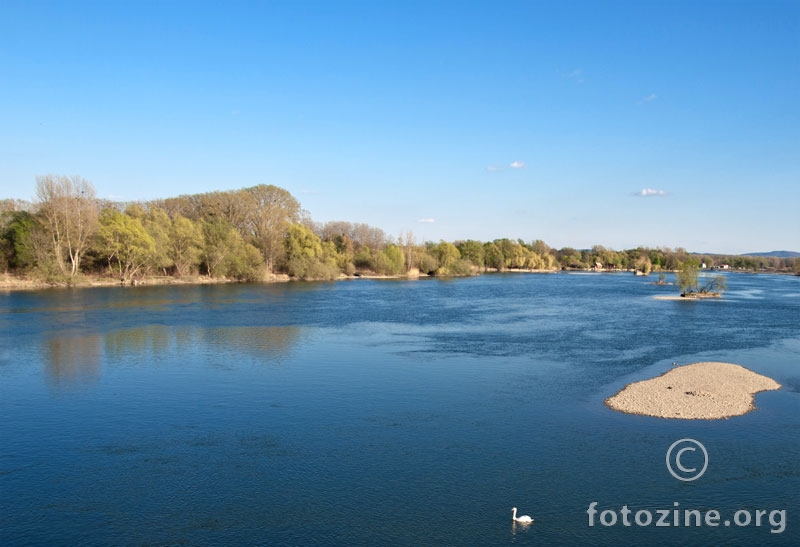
x: 700, y: 391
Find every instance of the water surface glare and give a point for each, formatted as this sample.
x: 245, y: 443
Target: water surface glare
x: 383, y: 412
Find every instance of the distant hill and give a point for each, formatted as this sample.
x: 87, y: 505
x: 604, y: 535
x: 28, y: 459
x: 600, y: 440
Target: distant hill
x: 776, y: 254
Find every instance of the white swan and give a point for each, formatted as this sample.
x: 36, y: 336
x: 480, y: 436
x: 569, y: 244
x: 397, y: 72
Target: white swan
x: 524, y: 519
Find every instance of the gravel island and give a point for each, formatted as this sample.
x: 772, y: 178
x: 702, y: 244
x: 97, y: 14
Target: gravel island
x: 700, y: 391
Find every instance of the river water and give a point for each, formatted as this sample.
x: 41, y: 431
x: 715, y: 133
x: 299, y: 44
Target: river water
x: 373, y: 412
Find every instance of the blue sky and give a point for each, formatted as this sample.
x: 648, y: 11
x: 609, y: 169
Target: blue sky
x: 580, y: 123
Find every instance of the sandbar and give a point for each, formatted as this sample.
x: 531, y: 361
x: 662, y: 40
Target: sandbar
x: 700, y: 391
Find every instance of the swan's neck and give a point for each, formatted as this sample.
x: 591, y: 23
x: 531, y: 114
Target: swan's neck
x: 514, y: 515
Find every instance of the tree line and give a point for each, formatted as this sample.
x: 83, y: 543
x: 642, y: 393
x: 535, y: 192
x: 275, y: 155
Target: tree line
x: 252, y: 233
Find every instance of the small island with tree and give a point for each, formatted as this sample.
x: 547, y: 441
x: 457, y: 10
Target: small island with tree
x: 689, y: 281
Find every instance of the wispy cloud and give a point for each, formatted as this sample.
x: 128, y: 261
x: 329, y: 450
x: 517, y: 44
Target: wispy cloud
x: 649, y: 98
x: 517, y: 165
x: 649, y: 192
x: 575, y: 75
x: 427, y: 220
x: 309, y: 192
x: 494, y: 168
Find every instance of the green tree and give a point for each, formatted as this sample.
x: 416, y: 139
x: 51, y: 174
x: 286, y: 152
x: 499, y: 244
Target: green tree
x: 344, y: 252
x: 473, y: 251
x: 644, y: 265
x: 302, y: 243
x: 541, y: 248
x: 426, y: 262
x: 506, y: 247
x: 6, y: 244
x: 717, y: 284
x: 158, y: 224
x: 305, y: 255
x: 535, y: 261
x: 395, y: 260
x: 363, y: 258
x: 571, y: 258
x: 519, y: 256
x: 219, y: 241
x: 655, y: 259
x: 244, y: 262
x: 224, y: 252
x: 688, y: 275
x: 447, y: 254
x: 125, y: 243
x: 493, y: 256
x: 29, y: 244
x: 185, y: 244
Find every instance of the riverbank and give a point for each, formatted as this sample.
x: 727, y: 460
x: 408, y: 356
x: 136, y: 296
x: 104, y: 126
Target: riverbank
x: 15, y: 283
x: 700, y: 391
x: 10, y: 282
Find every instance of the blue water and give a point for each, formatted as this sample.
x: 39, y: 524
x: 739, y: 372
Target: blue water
x: 384, y: 412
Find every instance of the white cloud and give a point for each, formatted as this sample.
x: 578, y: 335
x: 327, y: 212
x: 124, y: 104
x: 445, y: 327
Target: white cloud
x: 649, y: 98
x: 494, y: 168
x: 427, y: 220
x: 649, y: 192
x: 517, y: 165
x: 575, y: 75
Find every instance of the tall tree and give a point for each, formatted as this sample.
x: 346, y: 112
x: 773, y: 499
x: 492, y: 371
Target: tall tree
x: 493, y: 256
x: 541, y: 248
x: 70, y: 211
x: 158, y: 224
x: 219, y: 240
x: 185, y: 244
x: 408, y: 244
x: 272, y: 211
x: 232, y: 206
